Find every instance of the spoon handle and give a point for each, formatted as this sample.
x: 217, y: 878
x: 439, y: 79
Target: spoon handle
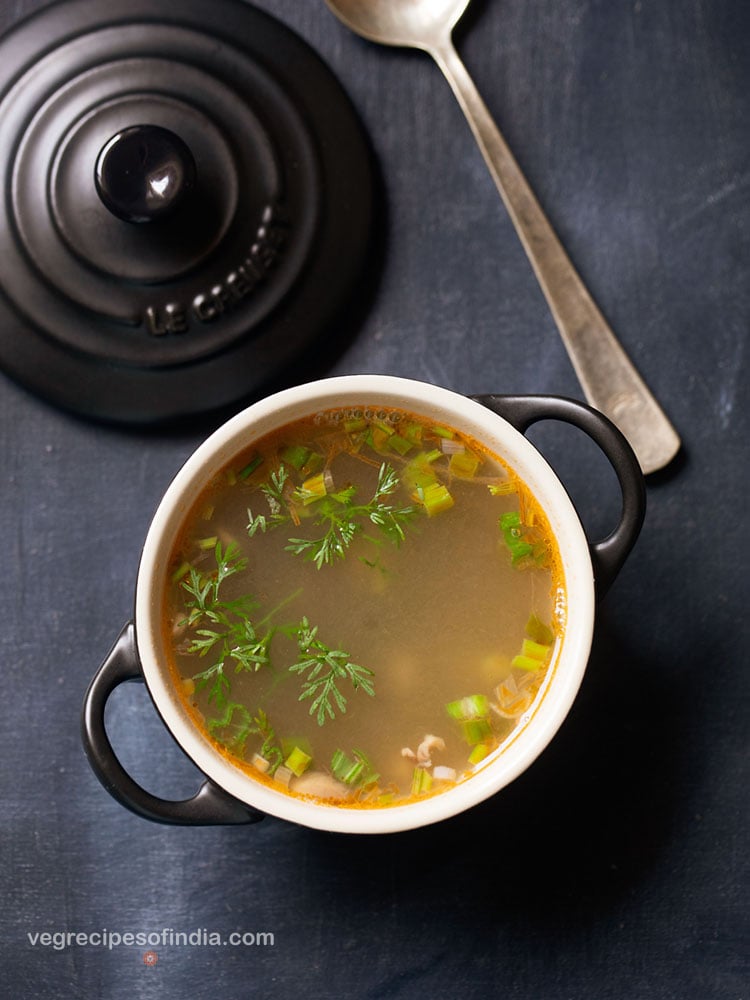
x: 607, y: 376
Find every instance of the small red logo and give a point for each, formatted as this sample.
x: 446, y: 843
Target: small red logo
x: 150, y: 958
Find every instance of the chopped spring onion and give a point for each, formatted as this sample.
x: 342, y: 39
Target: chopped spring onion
x: 464, y: 464
x: 536, y: 650
x: 526, y: 662
x: 207, y: 543
x: 421, y: 781
x: 298, y: 761
x: 533, y: 655
x: 436, y: 498
x: 412, y: 432
x: 182, y: 570
x: 381, y: 437
x: 314, y: 488
x: 418, y: 472
x: 521, y: 539
x: 473, y: 712
x: 476, y: 730
x: 355, y: 424
x: 512, y: 529
x: 539, y: 632
x: 295, y: 455
x: 251, y: 466
x: 352, y: 772
x: 442, y: 432
x: 399, y: 444
x: 208, y: 512
x: 312, y: 464
x: 511, y: 519
x: 479, y: 752
x: 520, y: 551
x: 474, y: 706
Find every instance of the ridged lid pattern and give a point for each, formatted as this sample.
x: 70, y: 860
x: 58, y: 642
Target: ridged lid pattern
x: 198, y: 307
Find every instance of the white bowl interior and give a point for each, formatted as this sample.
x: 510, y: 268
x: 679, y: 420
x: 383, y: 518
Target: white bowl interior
x: 530, y: 736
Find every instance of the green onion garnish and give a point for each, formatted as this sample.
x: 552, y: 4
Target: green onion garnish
x: 421, y: 781
x: 298, y: 761
x: 357, y: 771
x: 313, y: 489
x: 478, y: 754
x: 381, y: 436
x: 295, y: 455
x: 399, y: 444
x: 355, y: 424
x: 180, y: 572
x: 539, y: 632
x: 413, y: 433
x: 251, y: 466
x: 464, y: 464
x: 436, y: 499
x: 475, y: 706
x: 536, y: 650
x: 510, y: 520
x: 526, y: 662
x: 476, y: 731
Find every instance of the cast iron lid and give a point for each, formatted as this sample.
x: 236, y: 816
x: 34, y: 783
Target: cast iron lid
x: 186, y: 204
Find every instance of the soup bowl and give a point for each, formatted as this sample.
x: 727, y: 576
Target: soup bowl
x: 229, y: 794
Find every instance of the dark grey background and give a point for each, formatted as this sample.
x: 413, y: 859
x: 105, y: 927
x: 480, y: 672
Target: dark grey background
x: 617, y: 866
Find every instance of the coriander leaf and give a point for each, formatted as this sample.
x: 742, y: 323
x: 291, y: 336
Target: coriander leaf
x: 269, y: 748
x: 226, y: 628
x: 219, y: 692
x: 344, y: 520
x: 325, y: 668
x: 226, y: 731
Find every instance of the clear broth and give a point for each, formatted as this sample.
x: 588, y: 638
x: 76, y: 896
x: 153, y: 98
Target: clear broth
x: 444, y: 619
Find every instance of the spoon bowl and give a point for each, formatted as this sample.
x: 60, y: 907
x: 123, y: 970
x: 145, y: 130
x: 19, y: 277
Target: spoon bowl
x: 409, y: 23
x: 608, y: 378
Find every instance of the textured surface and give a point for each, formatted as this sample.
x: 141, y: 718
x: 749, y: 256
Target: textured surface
x: 617, y: 866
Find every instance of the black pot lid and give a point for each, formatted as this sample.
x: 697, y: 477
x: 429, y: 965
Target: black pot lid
x: 187, y: 204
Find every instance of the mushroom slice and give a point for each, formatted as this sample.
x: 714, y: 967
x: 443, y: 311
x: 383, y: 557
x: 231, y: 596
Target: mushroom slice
x: 425, y: 748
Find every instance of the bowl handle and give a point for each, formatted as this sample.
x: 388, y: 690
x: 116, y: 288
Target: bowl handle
x: 610, y: 553
x: 209, y: 806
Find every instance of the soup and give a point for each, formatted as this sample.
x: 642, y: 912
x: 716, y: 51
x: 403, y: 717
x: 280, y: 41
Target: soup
x: 363, y: 608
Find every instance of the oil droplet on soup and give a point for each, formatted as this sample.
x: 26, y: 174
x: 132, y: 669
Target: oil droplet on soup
x: 363, y: 607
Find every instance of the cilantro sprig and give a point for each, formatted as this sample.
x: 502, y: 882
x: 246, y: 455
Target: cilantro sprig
x: 235, y: 734
x: 275, y: 492
x: 226, y: 630
x: 342, y: 518
x: 325, y: 668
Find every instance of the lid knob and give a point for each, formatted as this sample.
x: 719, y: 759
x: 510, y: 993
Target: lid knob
x: 143, y: 172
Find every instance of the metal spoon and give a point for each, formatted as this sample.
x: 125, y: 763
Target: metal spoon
x: 608, y: 378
